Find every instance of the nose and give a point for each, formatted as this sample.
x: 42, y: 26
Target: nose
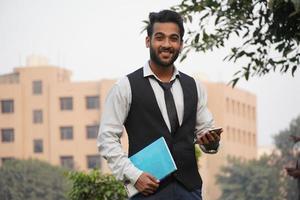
x: 166, y: 43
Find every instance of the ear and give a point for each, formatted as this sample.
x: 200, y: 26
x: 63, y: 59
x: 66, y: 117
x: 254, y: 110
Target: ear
x: 147, y: 41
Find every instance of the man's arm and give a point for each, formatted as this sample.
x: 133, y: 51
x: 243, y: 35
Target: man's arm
x: 116, y: 108
x: 209, y: 142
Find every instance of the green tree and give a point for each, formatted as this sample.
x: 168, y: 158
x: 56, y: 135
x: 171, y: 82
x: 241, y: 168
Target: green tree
x: 269, y: 31
x: 264, y: 178
x: 251, y: 180
x: 32, y: 179
x: 285, y: 146
x: 95, y: 186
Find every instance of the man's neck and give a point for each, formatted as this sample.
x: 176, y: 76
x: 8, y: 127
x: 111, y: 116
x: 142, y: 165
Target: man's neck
x: 163, y: 73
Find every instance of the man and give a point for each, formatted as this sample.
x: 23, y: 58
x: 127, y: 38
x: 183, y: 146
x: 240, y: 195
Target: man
x: 295, y: 171
x: 145, y: 102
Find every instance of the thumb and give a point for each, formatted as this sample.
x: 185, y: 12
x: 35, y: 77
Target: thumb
x: 152, y: 178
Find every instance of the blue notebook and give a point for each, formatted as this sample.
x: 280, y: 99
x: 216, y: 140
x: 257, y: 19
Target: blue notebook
x: 154, y: 159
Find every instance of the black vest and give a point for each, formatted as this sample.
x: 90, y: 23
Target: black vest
x: 145, y: 124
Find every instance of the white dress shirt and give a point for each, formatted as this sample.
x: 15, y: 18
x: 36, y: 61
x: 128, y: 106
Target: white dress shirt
x: 116, y: 108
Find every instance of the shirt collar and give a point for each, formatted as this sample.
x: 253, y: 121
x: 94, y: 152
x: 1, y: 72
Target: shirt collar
x: 148, y: 72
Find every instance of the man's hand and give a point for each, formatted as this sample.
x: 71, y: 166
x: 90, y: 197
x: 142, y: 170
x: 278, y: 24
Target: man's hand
x: 146, y: 184
x: 295, y: 173
x: 208, y: 137
x: 295, y: 138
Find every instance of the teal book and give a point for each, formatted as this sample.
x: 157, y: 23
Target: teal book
x: 155, y: 159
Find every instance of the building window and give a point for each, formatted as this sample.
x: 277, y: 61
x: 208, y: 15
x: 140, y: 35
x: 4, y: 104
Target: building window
x: 254, y: 139
x: 227, y: 104
x: 5, y: 159
x: 233, y: 135
x: 7, y: 106
x: 253, y: 113
x: 244, y: 138
x: 92, y: 102
x: 238, y: 135
x: 232, y: 106
x: 7, y: 135
x: 228, y: 133
x: 93, y: 161
x: 37, y: 87
x: 249, y: 112
x: 38, y: 146
x: 92, y: 131
x: 37, y: 116
x: 66, y: 103
x: 249, y: 138
x: 244, y: 110
x: 66, y: 133
x: 67, y: 162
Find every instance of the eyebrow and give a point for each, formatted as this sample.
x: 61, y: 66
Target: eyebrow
x: 172, y: 35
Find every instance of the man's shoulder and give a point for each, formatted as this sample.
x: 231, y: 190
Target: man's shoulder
x: 187, y: 77
x: 122, y: 80
x: 198, y: 83
x: 137, y: 72
x: 122, y: 83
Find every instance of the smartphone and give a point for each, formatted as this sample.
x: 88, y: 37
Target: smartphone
x: 213, y: 130
x: 218, y: 130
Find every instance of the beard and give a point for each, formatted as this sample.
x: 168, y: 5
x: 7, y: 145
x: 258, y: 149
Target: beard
x: 156, y: 59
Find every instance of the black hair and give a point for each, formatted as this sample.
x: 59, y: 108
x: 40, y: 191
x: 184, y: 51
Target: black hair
x: 165, y: 16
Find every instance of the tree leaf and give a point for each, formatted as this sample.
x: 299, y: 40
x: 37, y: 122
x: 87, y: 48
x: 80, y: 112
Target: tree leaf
x: 197, y: 38
x: 294, y: 69
x: 234, y: 82
x: 183, y: 57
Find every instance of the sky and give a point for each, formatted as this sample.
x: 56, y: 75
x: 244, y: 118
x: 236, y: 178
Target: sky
x: 98, y: 39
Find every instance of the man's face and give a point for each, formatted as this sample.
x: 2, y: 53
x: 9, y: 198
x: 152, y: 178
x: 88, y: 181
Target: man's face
x: 165, y: 43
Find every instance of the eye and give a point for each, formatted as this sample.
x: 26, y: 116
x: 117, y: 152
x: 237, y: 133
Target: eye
x: 159, y: 37
x: 174, y: 38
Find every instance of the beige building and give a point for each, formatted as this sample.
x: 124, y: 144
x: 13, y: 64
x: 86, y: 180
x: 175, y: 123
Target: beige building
x: 45, y: 115
x: 235, y: 111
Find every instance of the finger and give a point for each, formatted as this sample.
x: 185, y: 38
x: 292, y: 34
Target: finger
x: 210, y: 137
x: 198, y: 141
x: 153, y: 179
x: 204, y: 139
x: 153, y: 185
x: 215, y: 136
x: 218, y: 131
x: 150, y: 190
x: 147, y: 191
x: 201, y: 140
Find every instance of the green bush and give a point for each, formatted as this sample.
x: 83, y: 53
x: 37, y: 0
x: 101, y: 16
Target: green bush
x: 95, y: 186
x: 32, y: 180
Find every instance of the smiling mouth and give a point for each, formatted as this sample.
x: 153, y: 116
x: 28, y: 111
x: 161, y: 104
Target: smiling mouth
x: 166, y: 54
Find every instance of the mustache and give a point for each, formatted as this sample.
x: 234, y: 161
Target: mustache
x: 164, y: 49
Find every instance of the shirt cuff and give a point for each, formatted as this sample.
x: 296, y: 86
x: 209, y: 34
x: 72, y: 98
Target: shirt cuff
x: 133, y: 175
